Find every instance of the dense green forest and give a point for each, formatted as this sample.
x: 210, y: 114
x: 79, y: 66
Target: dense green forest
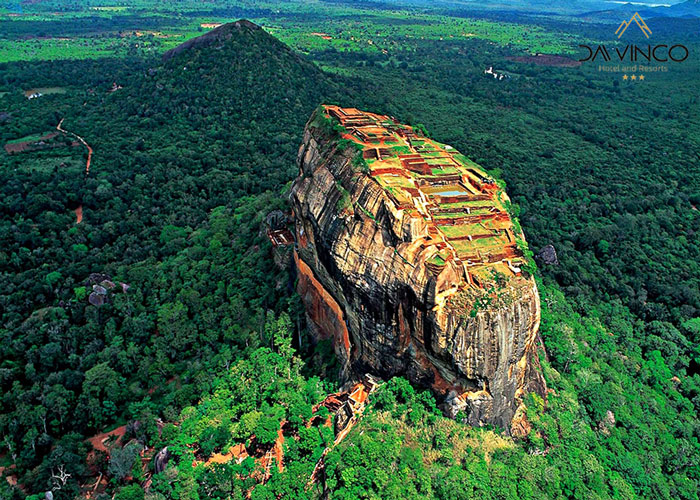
x: 201, y: 341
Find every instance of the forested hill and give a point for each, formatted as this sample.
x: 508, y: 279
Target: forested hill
x: 189, y: 157
x: 218, y: 38
x: 199, y: 131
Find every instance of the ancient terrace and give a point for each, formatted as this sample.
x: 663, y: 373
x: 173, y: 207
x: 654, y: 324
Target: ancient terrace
x: 465, y: 208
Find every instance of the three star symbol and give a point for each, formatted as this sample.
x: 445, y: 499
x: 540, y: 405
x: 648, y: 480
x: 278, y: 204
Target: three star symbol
x: 633, y: 77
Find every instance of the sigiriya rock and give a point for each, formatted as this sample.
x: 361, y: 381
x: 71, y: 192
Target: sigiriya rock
x: 408, y: 259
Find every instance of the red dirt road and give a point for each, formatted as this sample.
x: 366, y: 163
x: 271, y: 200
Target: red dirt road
x: 79, y: 210
x: 82, y: 141
x: 98, y: 441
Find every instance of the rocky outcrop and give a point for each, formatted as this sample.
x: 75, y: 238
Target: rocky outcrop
x: 102, y: 287
x: 547, y: 256
x: 394, y: 293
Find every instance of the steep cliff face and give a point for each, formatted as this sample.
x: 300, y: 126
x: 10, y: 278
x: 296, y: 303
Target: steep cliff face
x: 409, y: 261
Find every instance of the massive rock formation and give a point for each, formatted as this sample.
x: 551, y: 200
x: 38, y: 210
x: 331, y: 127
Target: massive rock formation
x: 408, y: 259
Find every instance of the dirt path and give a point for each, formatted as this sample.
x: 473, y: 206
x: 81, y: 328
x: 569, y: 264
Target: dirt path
x: 79, y: 210
x: 99, y: 441
x: 82, y: 141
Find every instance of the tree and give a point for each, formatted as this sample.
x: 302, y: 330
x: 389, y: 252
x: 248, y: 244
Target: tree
x: 122, y: 460
x: 101, y: 391
x: 266, y: 428
x: 130, y: 492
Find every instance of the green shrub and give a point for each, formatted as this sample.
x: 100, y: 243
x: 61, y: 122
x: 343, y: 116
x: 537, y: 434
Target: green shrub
x: 131, y: 492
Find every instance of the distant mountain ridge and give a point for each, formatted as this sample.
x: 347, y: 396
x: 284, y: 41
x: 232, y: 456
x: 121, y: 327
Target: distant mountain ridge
x: 600, y: 10
x: 688, y: 9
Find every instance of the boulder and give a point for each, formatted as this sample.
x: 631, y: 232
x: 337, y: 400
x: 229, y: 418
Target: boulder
x: 96, y: 299
x: 607, y: 423
x: 160, y: 461
x: 276, y: 220
x: 97, y: 278
x: 547, y: 256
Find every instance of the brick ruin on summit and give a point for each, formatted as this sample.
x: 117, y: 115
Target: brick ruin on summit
x: 468, y: 219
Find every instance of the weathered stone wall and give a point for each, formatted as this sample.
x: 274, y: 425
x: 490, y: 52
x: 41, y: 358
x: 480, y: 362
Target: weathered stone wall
x: 363, y: 276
